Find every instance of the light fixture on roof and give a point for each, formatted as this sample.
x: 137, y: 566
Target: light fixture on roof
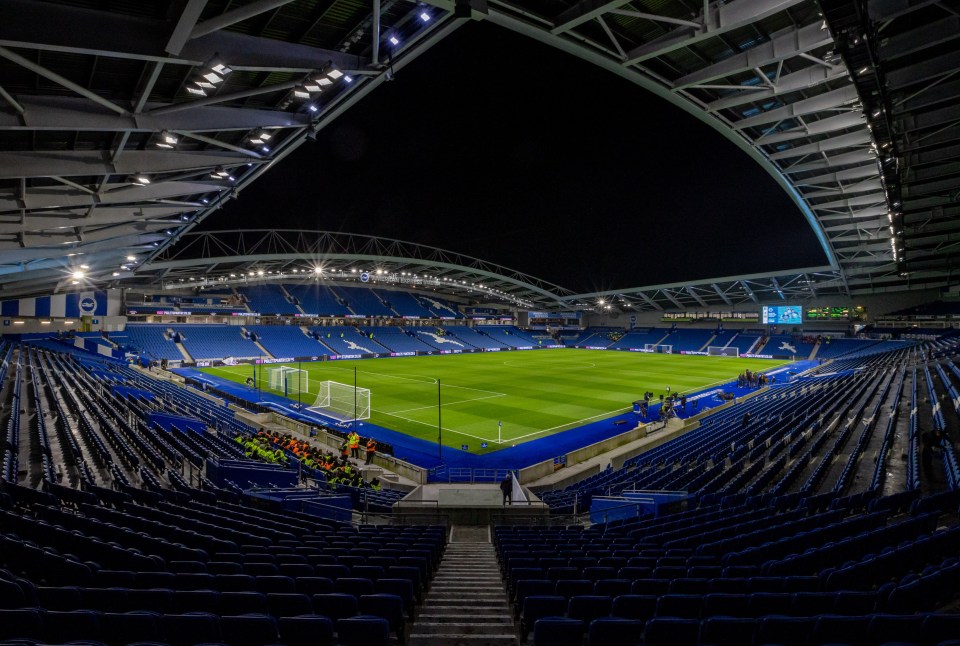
x: 312, y: 108
x: 301, y: 92
x: 424, y: 16
x: 394, y: 41
x: 140, y: 179
x: 318, y: 270
x: 312, y: 86
x: 78, y: 275
x: 259, y: 272
x: 348, y: 79
x: 334, y: 73
x: 219, y: 172
x: 260, y: 136
x: 167, y: 140
x: 197, y: 91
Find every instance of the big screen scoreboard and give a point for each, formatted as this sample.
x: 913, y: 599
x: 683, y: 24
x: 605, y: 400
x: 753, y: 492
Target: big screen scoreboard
x: 857, y: 313
x: 781, y: 315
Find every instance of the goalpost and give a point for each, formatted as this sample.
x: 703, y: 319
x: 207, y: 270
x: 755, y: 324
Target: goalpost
x: 719, y: 351
x: 653, y: 347
x: 342, y: 401
x: 289, y: 381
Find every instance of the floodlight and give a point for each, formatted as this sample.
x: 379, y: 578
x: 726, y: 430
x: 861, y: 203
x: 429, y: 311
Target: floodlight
x: 265, y: 149
x: 318, y: 270
x: 140, y: 179
x: 394, y: 40
x: 312, y: 108
x: 301, y: 92
x: 220, y: 68
x: 196, y: 90
x: 213, y: 77
x: 311, y: 86
x: 259, y: 272
x: 207, y: 85
x: 115, y: 274
x: 220, y: 172
x: 84, y: 266
x: 348, y: 79
x: 78, y: 275
x: 425, y: 17
x: 323, y: 81
x: 334, y: 73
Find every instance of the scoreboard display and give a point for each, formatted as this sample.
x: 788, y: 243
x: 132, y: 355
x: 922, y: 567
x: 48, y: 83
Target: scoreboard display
x: 781, y: 315
x: 837, y: 313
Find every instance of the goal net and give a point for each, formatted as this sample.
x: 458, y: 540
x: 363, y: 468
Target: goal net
x: 718, y: 351
x: 288, y: 381
x: 342, y: 401
x: 653, y: 347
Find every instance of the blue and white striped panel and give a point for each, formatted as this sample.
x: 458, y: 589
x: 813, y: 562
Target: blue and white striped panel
x: 57, y: 305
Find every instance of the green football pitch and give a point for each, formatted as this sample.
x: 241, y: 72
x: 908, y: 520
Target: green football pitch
x: 533, y: 393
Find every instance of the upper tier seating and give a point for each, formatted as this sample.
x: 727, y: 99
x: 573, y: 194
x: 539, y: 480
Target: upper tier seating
x: 362, y: 300
x: 317, y: 299
x: 404, y: 303
x: 268, y: 299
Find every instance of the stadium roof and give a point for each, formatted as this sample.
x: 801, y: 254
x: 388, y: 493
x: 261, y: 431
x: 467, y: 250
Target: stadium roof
x: 122, y: 127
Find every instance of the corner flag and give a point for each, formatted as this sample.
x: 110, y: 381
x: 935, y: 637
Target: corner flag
x: 499, y: 430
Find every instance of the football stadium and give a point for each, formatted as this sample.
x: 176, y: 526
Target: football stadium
x: 443, y: 323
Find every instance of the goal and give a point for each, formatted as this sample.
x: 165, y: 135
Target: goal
x: 719, y: 351
x: 288, y: 381
x: 342, y: 401
x: 653, y: 347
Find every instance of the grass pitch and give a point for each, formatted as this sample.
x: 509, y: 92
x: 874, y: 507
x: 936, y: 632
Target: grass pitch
x: 533, y: 393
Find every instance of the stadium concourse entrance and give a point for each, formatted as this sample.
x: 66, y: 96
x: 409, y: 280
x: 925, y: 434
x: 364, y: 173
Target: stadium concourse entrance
x: 473, y: 504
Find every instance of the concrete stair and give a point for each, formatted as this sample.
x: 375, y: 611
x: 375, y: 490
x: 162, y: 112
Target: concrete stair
x: 466, y: 603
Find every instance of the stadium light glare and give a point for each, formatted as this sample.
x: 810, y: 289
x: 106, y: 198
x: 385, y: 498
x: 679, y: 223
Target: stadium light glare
x: 318, y: 270
x: 353, y: 270
x: 78, y: 275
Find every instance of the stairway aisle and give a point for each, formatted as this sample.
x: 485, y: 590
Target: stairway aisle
x: 466, y: 603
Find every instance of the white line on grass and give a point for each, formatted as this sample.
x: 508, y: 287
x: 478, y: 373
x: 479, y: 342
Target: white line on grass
x: 445, y: 404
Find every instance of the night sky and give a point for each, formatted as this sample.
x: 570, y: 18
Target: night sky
x: 495, y: 146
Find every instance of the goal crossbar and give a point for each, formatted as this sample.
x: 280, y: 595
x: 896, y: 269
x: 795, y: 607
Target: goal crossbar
x: 342, y: 401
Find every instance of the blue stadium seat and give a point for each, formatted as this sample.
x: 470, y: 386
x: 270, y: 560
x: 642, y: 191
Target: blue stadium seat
x: 288, y: 604
x: 61, y: 627
x: 363, y: 630
x: 191, y: 628
x: 839, y: 629
x: 558, y: 631
x: 241, y: 603
x: 885, y: 628
x: 640, y: 607
x: 388, y: 606
x: 586, y: 608
x: 21, y: 624
x: 788, y: 631
x: 671, y: 631
x: 335, y: 605
x: 127, y: 627
x: 306, y: 630
x: 538, y: 606
x: 248, y: 630
x: 727, y: 631
x: 616, y: 631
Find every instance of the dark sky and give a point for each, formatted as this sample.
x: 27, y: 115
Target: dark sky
x: 496, y: 146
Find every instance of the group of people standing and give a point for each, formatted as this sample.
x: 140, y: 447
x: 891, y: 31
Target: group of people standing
x: 748, y: 379
x: 272, y: 447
